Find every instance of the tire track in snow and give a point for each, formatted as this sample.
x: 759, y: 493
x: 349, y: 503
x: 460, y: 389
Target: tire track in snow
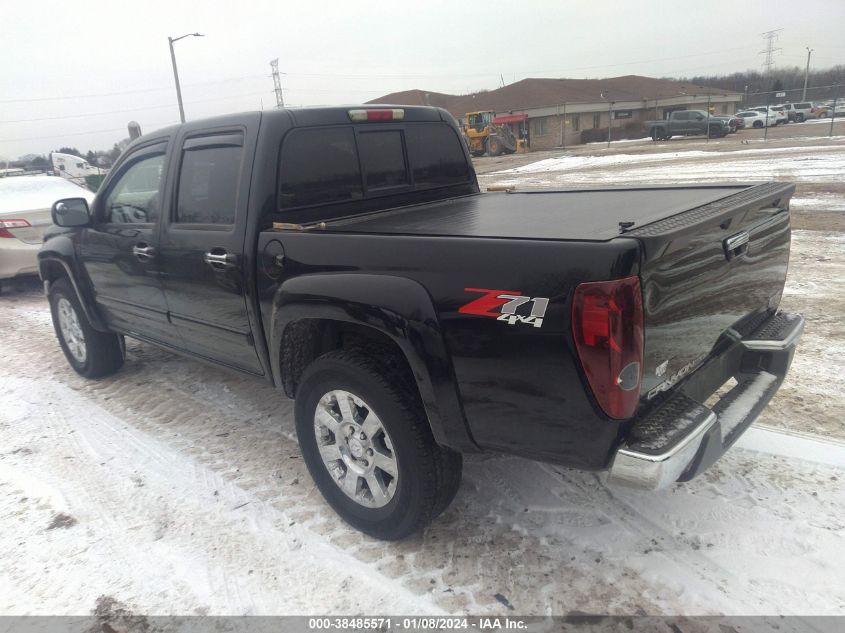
x: 577, y: 547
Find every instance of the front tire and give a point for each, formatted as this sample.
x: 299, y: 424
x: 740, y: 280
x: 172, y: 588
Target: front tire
x: 366, y: 442
x: 91, y: 353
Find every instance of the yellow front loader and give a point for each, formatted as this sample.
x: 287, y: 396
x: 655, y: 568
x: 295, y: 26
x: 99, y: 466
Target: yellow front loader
x: 483, y: 137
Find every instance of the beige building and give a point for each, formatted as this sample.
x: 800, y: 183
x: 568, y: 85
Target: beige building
x: 560, y: 112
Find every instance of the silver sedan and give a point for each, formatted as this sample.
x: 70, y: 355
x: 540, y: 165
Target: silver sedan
x: 25, y: 203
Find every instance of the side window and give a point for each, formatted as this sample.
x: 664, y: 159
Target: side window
x: 208, y: 185
x: 319, y: 165
x: 135, y: 197
x: 436, y: 155
x: 383, y: 159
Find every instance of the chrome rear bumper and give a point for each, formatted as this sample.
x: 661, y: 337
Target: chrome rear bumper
x: 682, y: 437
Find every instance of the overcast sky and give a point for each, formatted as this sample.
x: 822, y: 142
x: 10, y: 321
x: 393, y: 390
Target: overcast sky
x: 75, y: 72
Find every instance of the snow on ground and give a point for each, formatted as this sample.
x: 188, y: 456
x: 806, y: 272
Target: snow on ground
x: 821, y: 164
x: 174, y: 487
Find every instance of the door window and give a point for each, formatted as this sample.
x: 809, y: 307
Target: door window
x: 208, y: 185
x: 135, y: 197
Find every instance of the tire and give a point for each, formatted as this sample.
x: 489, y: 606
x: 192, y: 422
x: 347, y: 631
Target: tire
x: 757, y: 124
x: 657, y: 134
x: 494, y: 146
x: 799, y: 117
x: 91, y: 353
x: 714, y: 132
x: 427, y: 476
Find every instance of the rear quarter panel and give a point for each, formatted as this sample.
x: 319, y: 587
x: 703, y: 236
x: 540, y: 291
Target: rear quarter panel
x: 520, y: 386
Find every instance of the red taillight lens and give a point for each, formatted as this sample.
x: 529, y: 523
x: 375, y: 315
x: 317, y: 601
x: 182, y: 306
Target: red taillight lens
x: 5, y: 225
x: 607, y: 323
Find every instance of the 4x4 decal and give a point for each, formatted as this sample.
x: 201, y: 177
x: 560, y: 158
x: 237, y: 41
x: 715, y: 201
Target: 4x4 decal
x: 504, y: 305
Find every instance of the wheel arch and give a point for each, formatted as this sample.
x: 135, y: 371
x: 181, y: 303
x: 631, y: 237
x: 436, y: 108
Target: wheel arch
x: 395, y: 316
x: 57, y: 263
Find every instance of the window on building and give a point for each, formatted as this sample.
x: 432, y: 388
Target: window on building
x: 596, y: 121
x: 383, y: 159
x: 319, y: 165
x: 436, y: 155
x: 540, y: 126
x: 575, y: 121
x: 208, y: 185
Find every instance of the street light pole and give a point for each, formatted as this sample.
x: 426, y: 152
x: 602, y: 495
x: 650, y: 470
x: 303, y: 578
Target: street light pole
x: 806, y: 74
x: 171, y: 41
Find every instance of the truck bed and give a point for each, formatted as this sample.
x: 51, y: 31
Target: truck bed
x: 575, y: 214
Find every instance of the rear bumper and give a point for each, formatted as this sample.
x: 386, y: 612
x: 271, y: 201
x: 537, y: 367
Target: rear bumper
x: 17, y: 258
x: 682, y: 437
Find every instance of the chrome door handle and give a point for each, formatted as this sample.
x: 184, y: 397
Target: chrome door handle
x: 220, y: 260
x: 143, y: 251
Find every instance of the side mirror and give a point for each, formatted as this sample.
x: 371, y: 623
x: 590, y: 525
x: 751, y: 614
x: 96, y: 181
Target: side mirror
x: 71, y: 212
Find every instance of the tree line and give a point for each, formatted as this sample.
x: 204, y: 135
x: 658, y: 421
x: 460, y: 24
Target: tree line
x: 822, y: 85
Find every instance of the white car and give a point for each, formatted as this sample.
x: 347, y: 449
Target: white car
x: 25, y: 206
x: 779, y: 115
x: 753, y: 118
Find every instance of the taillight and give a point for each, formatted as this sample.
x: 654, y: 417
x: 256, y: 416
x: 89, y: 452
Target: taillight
x: 380, y: 114
x: 5, y: 225
x: 607, y: 323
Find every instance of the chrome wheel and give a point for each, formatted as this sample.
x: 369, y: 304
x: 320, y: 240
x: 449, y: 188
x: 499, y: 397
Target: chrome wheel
x: 71, y: 330
x: 356, y: 449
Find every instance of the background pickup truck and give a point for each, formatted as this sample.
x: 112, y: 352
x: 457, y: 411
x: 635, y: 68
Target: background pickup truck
x: 688, y: 123
x: 347, y: 257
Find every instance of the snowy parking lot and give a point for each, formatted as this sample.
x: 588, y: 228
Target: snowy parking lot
x: 172, y: 487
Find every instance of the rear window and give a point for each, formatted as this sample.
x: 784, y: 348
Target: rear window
x: 327, y: 165
x: 436, y: 155
x: 383, y: 159
x: 319, y: 165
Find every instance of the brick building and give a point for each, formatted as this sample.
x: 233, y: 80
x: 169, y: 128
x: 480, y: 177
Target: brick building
x: 558, y: 112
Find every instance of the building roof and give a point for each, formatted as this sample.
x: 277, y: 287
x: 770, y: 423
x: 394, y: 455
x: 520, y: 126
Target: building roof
x: 539, y: 93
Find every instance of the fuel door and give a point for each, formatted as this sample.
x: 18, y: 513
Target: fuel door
x: 273, y: 259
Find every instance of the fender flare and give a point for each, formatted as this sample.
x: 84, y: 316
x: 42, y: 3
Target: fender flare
x: 58, y: 254
x: 397, y: 307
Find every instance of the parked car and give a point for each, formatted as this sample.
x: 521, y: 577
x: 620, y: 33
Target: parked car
x: 347, y: 256
x: 756, y: 119
x: 773, y: 112
x: 800, y: 112
x: 688, y: 123
x: 25, y: 203
x: 828, y: 109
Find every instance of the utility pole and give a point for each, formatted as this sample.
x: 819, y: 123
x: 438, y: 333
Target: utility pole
x: 277, y: 83
x: 171, y: 41
x: 806, y: 74
x: 770, y: 37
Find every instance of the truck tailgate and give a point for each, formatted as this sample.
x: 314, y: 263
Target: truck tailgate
x: 707, y: 271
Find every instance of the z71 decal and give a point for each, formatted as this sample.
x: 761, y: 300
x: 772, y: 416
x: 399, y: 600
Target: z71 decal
x: 504, y: 304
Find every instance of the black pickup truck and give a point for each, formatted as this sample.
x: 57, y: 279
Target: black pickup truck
x: 347, y: 256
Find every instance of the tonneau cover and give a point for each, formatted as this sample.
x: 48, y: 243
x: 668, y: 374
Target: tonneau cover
x: 579, y: 214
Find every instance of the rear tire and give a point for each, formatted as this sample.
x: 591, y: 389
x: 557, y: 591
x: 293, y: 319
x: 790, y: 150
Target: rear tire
x: 91, y: 353
x: 757, y: 124
x: 356, y: 422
